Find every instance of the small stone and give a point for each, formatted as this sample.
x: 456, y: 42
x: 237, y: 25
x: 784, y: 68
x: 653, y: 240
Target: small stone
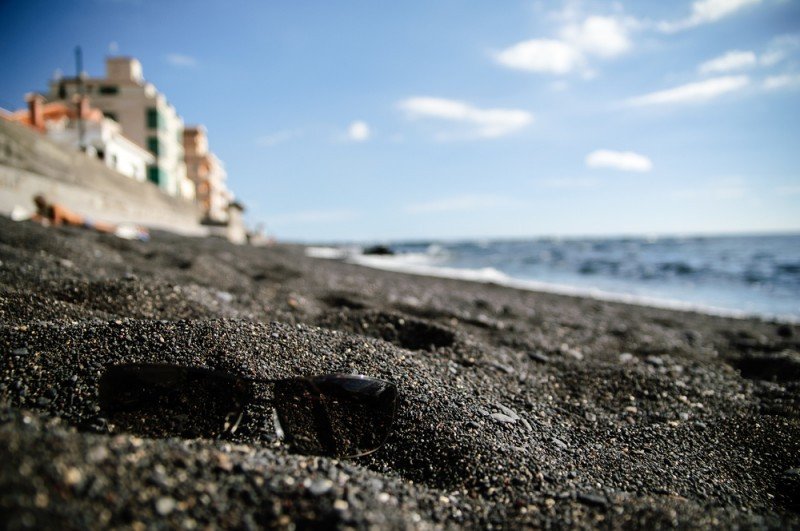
x: 341, y: 505
x: 627, y: 357
x: 591, y: 417
x: 561, y: 444
x: 539, y: 356
x: 655, y: 361
x: 72, y: 476
x: 22, y: 351
x: 502, y: 418
x: 631, y: 409
x: 683, y: 415
x: 225, y: 296
x: 508, y: 411
x: 320, y: 486
x: 592, y: 499
x: 165, y: 505
x: 508, y: 369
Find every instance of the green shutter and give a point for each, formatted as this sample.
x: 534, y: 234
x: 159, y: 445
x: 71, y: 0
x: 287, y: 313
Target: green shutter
x: 155, y: 174
x: 152, y: 118
x: 153, y: 145
x: 108, y: 90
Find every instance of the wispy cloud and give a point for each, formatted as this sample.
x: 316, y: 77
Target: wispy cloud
x: 179, y: 59
x: 358, y: 131
x: 278, y: 137
x: 780, y: 48
x: 697, y: 92
x: 729, y: 188
x: 570, y: 183
x: 460, y: 203
x: 313, y: 217
x: 733, y: 60
x: 782, y: 81
x: 706, y: 12
x: 599, y: 36
x: 618, y: 160
x: 480, y: 123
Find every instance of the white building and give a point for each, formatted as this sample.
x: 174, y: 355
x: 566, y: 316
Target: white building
x: 144, y: 114
x: 81, y: 127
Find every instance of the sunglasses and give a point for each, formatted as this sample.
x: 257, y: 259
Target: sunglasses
x: 335, y: 415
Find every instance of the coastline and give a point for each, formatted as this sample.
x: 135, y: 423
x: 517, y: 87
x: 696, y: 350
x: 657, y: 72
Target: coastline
x: 518, y: 407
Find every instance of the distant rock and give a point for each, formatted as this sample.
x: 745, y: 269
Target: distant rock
x: 378, y: 250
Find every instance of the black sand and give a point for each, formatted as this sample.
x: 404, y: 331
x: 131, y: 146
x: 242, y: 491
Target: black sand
x: 517, y: 409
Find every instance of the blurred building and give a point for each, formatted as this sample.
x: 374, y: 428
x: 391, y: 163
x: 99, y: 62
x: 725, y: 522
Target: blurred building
x: 208, y: 174
x: 79, y: 126
x: 145, y: 115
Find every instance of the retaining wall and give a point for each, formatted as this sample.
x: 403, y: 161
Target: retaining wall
x: 30, y: 163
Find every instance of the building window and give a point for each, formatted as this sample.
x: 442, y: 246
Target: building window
x: 109, y: 90
x: 154, y: 119
x: 155, y: 175
x: 110, y: 115
x: 153, y: 145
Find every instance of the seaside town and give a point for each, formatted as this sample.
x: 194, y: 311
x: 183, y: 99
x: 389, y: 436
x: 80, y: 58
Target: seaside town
x: 127, y: 124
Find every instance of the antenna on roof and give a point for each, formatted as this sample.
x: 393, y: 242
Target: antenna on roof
x: 79, y: 74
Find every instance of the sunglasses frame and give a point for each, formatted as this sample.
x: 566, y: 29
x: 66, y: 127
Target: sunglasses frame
x: 242, y: 386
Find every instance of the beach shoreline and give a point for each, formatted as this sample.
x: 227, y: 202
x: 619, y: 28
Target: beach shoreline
x: 518, y: 408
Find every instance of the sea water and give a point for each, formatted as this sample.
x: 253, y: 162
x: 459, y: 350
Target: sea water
x: 731, y: 275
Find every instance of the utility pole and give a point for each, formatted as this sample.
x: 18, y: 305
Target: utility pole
x: 79, y: 73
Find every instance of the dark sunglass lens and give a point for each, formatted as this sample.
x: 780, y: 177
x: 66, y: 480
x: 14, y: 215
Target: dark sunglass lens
x: 168, y: 401
x: 337, y: 415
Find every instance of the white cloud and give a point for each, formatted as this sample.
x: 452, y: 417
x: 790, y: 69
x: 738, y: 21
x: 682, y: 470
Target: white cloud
x: 705, y: 12
x: 312, y: 216
x: 733, y: 60
x: 782, y: 81
x: 693, y: 92
x: 598, y: 36
x: 358, y: 131
x: 460, y: 203
x: 541, y: 55
x: 178, y: 59
x: 482, y: 123
x: 618, y: 160
x: 278, y: 137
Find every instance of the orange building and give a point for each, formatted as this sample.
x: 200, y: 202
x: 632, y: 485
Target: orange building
x: 208, y: 174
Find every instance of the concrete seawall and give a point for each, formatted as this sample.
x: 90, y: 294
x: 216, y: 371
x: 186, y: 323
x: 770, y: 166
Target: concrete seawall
x: 31, y: 163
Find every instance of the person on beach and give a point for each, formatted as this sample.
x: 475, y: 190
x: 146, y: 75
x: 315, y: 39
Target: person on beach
x: 51, y: 213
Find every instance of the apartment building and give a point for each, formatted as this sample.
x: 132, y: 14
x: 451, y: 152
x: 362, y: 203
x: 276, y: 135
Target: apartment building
x: 145, y: 115
x: 208, y: 174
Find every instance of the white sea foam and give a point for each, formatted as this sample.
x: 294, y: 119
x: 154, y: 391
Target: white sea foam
x: 331, y: 253
x: 425, y: 264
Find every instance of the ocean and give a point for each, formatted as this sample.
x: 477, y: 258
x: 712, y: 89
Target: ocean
x: 725, y: 275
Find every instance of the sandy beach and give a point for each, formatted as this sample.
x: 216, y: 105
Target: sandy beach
x: 517, y: 409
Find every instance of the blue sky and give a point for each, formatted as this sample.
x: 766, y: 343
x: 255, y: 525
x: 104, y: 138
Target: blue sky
x: 357, y: 120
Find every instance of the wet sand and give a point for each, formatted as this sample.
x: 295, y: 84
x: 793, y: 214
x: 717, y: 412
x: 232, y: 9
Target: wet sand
x: 517, y: 409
